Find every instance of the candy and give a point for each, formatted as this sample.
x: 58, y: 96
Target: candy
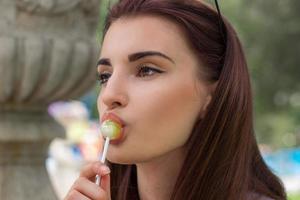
x: 111, y: 129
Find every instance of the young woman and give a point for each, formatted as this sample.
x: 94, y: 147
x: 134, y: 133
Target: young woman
x: 174, y: 73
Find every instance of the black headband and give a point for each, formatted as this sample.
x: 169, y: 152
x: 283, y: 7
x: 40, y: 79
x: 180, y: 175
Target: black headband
x: 221, y: 22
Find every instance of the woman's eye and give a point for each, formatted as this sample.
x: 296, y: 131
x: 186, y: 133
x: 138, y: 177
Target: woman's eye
x: 103, y: 77
x: 144, y: 70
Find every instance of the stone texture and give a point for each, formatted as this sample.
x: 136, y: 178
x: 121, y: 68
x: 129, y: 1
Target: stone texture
x: 48, y: 52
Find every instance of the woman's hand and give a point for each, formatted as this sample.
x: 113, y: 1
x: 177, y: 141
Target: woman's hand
x: 85, y: 188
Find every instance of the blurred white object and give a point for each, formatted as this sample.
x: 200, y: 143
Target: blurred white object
x: 63, y: 167
x: 291, y: 183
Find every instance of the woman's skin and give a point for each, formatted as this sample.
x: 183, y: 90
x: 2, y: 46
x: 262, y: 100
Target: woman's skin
x: 159, y: 109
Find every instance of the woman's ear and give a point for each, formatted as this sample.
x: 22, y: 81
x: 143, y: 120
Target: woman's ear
x: 207, y: 102
x: 204, y: 107
x: 208, y: 98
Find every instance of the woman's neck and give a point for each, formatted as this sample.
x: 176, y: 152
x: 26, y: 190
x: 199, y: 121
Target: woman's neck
x: 156, y: 178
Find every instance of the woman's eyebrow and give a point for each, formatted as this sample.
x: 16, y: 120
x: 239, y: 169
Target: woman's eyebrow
x: 103, y: 61
x: 136, y: 56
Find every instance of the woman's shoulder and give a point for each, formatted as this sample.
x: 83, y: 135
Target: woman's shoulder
x: 256, y: 196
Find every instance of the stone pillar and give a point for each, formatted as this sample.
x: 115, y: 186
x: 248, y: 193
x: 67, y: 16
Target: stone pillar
x: 48, y: 52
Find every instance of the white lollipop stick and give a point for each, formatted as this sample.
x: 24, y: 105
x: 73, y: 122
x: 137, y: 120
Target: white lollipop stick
x: 105, y: 148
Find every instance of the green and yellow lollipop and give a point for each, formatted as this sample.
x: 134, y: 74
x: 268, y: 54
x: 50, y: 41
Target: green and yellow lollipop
x: 110, y: 130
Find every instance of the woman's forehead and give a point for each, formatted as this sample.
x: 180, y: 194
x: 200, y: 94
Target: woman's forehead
x: 148, y: 31
x: 144, y: 33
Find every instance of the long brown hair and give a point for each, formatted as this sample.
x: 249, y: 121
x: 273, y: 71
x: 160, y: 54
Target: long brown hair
x: 223, y: 161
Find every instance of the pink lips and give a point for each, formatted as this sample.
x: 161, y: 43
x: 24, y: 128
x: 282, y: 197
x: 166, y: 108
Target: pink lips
x: 115, y: 118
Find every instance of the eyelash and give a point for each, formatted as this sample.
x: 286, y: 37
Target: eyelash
x: 103, y: 77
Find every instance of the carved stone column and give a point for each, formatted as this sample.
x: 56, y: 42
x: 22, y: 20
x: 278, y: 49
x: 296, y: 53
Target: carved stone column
x: 48, y: 52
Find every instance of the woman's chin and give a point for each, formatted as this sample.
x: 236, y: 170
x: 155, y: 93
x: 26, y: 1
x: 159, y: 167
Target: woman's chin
x: 120, y: 159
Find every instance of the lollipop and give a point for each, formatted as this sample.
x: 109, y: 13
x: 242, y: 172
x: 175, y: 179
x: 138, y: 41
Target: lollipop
x: 110, y: 130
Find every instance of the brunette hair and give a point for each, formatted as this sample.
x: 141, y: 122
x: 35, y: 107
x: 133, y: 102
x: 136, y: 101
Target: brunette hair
x: 223, y: 162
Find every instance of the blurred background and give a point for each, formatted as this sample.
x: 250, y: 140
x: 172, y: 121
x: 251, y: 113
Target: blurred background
x: 270, y: 33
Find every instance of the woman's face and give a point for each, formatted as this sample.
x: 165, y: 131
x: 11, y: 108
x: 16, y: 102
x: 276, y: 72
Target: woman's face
x: 151, y: 83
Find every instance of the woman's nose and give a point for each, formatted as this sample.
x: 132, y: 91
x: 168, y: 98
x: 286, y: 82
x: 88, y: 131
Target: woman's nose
x: 114, y: 93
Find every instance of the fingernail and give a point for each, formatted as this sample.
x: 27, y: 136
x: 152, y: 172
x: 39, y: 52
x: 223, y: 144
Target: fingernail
x: 105, y: 170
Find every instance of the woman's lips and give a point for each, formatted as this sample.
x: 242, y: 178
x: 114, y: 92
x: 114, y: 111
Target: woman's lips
x: 113, y: 117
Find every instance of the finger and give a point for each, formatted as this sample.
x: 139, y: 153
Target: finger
x: 89, y: 189
x: 74, y: 194
x: 90, y: 170
x: 105, y: 183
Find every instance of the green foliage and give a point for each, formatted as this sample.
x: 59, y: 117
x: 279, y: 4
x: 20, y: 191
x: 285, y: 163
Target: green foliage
x: 294, y: 197
x: 270, y: 33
